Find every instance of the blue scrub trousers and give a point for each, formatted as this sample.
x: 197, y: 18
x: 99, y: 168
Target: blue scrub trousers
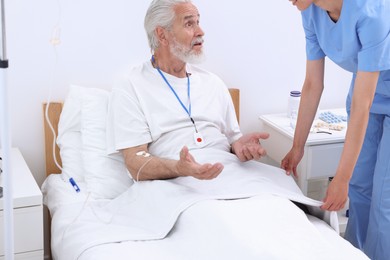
x: 368, y: 226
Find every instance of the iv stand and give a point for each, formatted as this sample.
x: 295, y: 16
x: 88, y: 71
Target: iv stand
x: 6, y: 147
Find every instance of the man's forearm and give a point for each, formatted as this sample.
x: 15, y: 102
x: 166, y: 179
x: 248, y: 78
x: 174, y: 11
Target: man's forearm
x: 144, y: 166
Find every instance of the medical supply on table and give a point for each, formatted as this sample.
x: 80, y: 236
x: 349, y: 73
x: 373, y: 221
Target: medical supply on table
x: 329, y: 121
x: 320, y: 126
x: 331, y: 118
x: 293, y: 107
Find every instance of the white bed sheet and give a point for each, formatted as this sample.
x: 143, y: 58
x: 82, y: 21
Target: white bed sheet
x: 253, y: 228
x: 236, y: 229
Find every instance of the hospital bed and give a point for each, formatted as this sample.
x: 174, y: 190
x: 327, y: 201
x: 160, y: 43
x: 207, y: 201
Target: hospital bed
x: 111, y: 217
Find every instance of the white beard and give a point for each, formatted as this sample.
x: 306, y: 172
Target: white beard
x: 186, y: 54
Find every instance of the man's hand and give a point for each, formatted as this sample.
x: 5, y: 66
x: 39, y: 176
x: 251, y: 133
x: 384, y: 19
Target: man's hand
x: 248, y: 147
x: 187, y: 166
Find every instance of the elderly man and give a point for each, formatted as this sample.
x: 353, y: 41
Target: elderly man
x: 166, y: 107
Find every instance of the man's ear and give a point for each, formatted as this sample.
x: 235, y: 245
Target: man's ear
x: 161, y: 35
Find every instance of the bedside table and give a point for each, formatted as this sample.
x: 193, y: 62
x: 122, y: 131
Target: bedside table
x: 321, y: 157
x: 28, y: 212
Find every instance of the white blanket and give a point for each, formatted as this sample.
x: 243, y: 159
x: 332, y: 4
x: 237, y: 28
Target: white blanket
x: 149, y: 210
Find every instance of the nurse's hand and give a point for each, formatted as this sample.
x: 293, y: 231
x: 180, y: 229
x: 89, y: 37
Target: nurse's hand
x: 336, y: 195
x: 291, y: 160
x: 248, y: 147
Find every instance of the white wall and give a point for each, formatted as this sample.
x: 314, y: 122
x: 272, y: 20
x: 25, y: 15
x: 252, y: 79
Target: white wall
x: 257, y: 46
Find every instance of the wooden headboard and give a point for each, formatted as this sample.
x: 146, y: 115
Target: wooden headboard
x: 54, y: 113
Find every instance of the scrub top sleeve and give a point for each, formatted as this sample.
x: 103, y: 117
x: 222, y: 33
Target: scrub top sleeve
x: 313, y: 49
x: 374, y: 35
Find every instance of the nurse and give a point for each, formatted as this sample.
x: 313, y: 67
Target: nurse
x: 355, y: 34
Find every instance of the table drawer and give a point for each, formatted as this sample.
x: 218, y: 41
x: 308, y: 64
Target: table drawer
x: 322, y: 160
x: 28, y: 229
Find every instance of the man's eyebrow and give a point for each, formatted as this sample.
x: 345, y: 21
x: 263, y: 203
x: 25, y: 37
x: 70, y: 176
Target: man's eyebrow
x: 188, y: 17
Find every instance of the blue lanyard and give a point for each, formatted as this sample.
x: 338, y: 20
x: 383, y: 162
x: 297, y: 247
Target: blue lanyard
x: 188, y: 111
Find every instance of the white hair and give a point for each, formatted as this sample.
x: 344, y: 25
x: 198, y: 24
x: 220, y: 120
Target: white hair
x: 160, y: 13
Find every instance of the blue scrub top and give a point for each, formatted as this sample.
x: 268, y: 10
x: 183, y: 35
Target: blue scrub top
x: 358, y: 41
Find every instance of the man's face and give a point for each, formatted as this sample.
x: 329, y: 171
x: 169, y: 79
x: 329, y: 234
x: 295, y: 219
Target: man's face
x: 186, y: 36
x: 301, y: 4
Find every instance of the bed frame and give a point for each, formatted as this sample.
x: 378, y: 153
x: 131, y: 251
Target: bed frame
x: 54, y: 113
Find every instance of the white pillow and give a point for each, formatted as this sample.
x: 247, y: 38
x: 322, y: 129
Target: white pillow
x: 69, y: 136
x: 106, y: 175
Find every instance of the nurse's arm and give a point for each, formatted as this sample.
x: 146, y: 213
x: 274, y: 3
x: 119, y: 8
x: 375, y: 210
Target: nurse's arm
x: 363, y: 95
x: 311, y: 95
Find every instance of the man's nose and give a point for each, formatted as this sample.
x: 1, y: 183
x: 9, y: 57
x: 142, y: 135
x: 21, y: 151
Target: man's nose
x: 199, y: 31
